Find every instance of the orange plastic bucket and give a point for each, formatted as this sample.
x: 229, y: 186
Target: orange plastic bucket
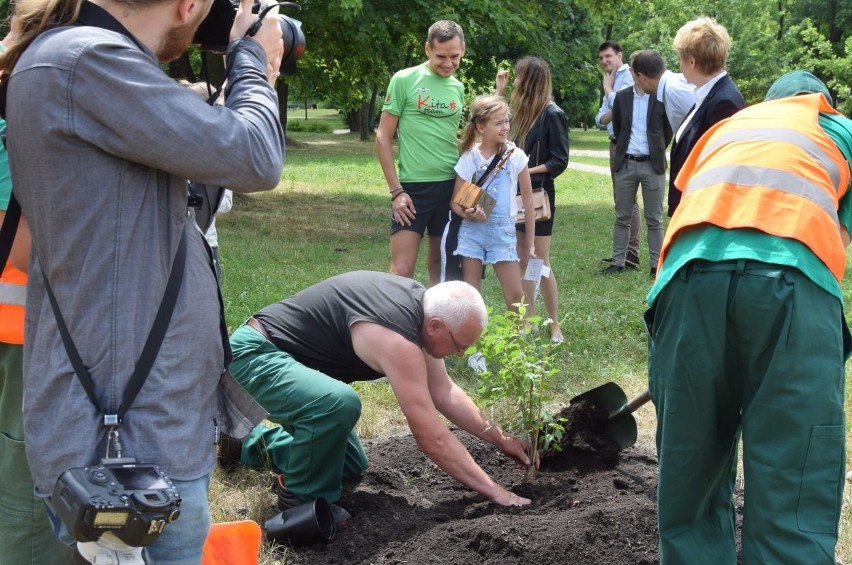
x: 232, y: 543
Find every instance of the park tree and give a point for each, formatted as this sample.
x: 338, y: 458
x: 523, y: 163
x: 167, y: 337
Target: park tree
x: 354, y: 47
x: 769, y: 37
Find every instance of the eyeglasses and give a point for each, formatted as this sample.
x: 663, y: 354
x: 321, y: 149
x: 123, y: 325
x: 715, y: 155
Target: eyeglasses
x: 459, y: 349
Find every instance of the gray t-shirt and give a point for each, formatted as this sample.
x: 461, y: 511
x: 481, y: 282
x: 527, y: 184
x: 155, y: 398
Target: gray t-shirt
x: 314, y: 325
x: 101, y: 144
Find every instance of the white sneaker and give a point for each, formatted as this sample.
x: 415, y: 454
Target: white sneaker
x: 477, y: 362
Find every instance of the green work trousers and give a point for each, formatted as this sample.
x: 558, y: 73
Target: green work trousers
x: 316, y: 445
x: 753, y: 350
x: 26, y: 534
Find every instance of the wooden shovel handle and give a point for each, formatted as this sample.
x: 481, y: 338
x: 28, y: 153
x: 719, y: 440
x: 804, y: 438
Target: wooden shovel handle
x: 638, y: 402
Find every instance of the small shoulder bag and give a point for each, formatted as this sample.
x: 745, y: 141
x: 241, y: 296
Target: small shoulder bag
x: 541, y: 202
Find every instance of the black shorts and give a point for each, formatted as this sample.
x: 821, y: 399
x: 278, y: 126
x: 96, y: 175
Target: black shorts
x: 432, y: 202
x: 544, y: 227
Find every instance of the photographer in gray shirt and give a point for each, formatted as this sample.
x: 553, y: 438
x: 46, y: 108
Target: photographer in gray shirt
x: 101, y: 144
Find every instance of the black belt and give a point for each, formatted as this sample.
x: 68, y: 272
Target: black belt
x: 741, y: 266
x: 638, y: 158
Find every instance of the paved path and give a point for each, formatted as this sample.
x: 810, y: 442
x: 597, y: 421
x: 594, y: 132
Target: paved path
x: 589, y: 153
x: 589, y: 168
x: 600, y: 169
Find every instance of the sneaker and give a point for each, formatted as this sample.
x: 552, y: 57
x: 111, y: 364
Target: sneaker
x: 477, y: 362
x: 631, y: 262
x: 287, y: 500
x: 611, y: 270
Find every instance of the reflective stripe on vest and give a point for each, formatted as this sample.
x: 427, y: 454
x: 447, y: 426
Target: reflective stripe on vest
x: 13, y: 298
x: 778, y: 134
x: 770, y: 167
x: 14, y: 294
x: 784, y: 181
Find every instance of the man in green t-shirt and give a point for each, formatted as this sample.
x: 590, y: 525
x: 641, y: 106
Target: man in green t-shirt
x: 423, y: 105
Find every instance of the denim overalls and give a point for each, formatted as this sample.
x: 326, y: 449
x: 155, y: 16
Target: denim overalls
x: 493, y: 240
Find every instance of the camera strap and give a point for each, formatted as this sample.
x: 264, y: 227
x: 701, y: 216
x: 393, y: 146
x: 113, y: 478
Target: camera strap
x: 496, y: 163
x: 7, y: 231
x: 487, y: 172
x: 95, y: 16
x: 149, y: 350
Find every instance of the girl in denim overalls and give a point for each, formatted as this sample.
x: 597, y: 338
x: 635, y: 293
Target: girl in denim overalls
x: 490, y: 237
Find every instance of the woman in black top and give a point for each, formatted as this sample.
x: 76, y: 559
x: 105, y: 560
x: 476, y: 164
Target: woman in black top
x: 539, y: 127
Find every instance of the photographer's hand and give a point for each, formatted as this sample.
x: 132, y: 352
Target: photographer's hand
x: 269, y: 35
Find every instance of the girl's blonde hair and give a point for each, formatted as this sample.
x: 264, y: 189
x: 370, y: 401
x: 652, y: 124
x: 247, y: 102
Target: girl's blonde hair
x: 482, y: 107
x: 532, y: 93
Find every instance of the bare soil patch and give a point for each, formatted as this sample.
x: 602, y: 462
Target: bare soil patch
x: 590, y: 504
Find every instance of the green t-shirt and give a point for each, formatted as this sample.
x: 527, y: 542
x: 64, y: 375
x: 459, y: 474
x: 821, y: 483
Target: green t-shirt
x: 712, y: 243
x: 429, y: 108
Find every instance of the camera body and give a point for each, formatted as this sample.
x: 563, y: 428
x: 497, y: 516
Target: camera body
x: 133, y: 501
x: 215, y: 29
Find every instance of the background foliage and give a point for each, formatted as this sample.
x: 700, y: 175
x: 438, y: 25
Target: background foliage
x: 355, y: 46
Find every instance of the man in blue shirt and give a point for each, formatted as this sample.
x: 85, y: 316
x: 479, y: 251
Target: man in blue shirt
x: 642, y: 132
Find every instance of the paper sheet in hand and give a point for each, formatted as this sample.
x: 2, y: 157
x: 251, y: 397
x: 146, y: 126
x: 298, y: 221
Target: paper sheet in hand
x: 534, y: 269
x: 533, y: 273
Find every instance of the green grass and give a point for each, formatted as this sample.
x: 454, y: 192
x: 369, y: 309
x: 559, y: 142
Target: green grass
x: 330, y: 214
x: 588, y: 139
x: 324, y: 114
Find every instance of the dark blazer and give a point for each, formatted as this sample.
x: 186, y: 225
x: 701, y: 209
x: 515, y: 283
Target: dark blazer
x: 723, y: 101
x: 659, y: 129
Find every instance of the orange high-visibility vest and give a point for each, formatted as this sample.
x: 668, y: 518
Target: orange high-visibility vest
x: 770, y: 167
x: 13, y: 298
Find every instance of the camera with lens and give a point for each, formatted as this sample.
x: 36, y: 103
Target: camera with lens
x: 215, y: 29
x: 133, y: 501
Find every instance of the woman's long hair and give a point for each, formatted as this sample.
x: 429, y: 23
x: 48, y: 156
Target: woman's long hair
x: 34, y: 17
x: 532, y: 93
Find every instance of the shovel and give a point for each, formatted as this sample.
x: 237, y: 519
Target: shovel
x: 620, y: 425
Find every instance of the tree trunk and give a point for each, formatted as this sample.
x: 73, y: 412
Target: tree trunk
x: 283, y: 91
x: 371, y: 109
x: 364, y: 122
x: 353, y: 120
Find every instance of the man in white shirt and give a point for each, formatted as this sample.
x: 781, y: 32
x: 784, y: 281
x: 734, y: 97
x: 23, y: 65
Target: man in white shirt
x: 672, y: 89
x: 617, y: 77
x: 642, y: 133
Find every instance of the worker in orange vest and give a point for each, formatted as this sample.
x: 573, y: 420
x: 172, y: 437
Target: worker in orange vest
x: 748, y: 338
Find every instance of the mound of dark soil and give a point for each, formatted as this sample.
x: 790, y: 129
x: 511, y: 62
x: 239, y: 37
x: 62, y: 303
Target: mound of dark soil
x: 590, y: 504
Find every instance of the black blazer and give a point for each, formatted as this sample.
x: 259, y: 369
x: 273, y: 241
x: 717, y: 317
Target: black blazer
x: 723, y: 101
x: 547, y: 143
x: 658, y: 127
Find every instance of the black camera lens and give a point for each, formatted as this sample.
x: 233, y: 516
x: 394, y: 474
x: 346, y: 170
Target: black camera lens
x: 215, y: 29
